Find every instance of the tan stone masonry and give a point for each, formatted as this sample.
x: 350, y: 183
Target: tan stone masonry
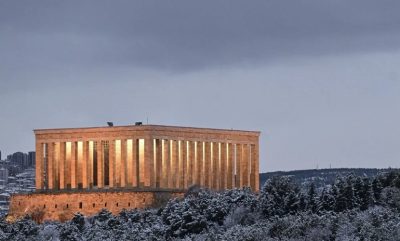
x: 61, y: 206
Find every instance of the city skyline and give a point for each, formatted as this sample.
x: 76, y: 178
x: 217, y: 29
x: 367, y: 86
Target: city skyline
x: 319, y: 80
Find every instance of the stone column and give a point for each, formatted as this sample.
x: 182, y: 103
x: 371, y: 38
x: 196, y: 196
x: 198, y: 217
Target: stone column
x: 62, y: 165
x: 175, y: 164
x: 238, y: 159
x: 143, y: 172
x: 245, y: 166
x: 129, y: 162
x: 230, y: 166
x: 57, y: 165
x: 50, y: 165
x: 148, y: 167
x: 100, y: 164
x: 207, y: 164
x: 158, y: 164
x: 199, y: 164
x: 215, y: 166
x: 191, y: 164
x: 255, y: 185
x: 90, y: 164
x: 135, y: 163
x: 111, y: 164
x: 73, y: 165
x: 85, y: 157
x: 117, y: 163
x: 182, y: 165
x: 223, y: 167
x: 167, y: 177
x: 39, y: 166
x: 79, y: 157
x: 123, y: 163
x: 67, y: 165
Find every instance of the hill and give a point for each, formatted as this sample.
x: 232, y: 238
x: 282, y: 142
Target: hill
x: 321, y: 177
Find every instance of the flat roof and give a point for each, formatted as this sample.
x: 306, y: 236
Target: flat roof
x: 142, y: 127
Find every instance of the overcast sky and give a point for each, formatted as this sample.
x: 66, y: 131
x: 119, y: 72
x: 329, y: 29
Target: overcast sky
x: 319, y: 79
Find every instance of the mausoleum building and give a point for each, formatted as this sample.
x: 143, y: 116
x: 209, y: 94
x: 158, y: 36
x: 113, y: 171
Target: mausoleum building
x: 137, y: 159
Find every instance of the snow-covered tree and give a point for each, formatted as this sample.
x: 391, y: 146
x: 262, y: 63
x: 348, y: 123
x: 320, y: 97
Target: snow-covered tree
x: 312, y: 199
x: 279, y: 196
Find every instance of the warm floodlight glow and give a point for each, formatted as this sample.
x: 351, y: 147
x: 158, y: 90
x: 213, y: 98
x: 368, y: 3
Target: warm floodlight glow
x: 129, y: 161
x: 164, y: 164
x: 235, y: 150
x: 90, y: 162
x: 79, y: 160
x: 68, y: 163
x: 155, y: 159
x: 118, y: 169
x: 141, y: 160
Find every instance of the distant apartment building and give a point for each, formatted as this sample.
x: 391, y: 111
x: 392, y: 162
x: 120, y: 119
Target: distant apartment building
x: 22, y: 160
x: 19, y: 159
x: 31, y: 158
x: 3, y: 176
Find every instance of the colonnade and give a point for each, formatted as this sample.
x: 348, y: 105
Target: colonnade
x: 146, y: 163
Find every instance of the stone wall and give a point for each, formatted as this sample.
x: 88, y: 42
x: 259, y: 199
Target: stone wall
x: 62, y: 206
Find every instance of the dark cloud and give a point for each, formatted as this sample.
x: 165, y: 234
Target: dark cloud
x: 187, y: 35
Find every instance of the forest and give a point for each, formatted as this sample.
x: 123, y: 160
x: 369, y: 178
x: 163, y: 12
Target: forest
x: 352, y: 207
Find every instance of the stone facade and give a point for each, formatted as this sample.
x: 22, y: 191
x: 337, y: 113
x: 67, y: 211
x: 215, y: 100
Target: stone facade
x: 81, y: 169
x: 61, y: 206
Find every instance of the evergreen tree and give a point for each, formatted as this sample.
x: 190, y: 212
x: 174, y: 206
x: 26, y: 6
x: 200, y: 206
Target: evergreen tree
x: 335, y: 194
x: 292, y: 203
x: 358, y: 191
x: 366, y: 198
x: 302, y: 202
x: 387, y: 180
x: 326, y: 202
x: 340, y: 196
x: 349, y: 193
x: 279, y: 196
x: 396, y: 182
x: 377, y: 189
x: 312, y: 198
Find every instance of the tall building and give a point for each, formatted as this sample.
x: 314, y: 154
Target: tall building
x: 0, y: 156
x: 18, y: 158
x: 3, y: 176
x: 31, y: 158
x: 134, y: 160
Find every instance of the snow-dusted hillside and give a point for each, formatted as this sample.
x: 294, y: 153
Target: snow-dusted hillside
x: 353, y: 208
